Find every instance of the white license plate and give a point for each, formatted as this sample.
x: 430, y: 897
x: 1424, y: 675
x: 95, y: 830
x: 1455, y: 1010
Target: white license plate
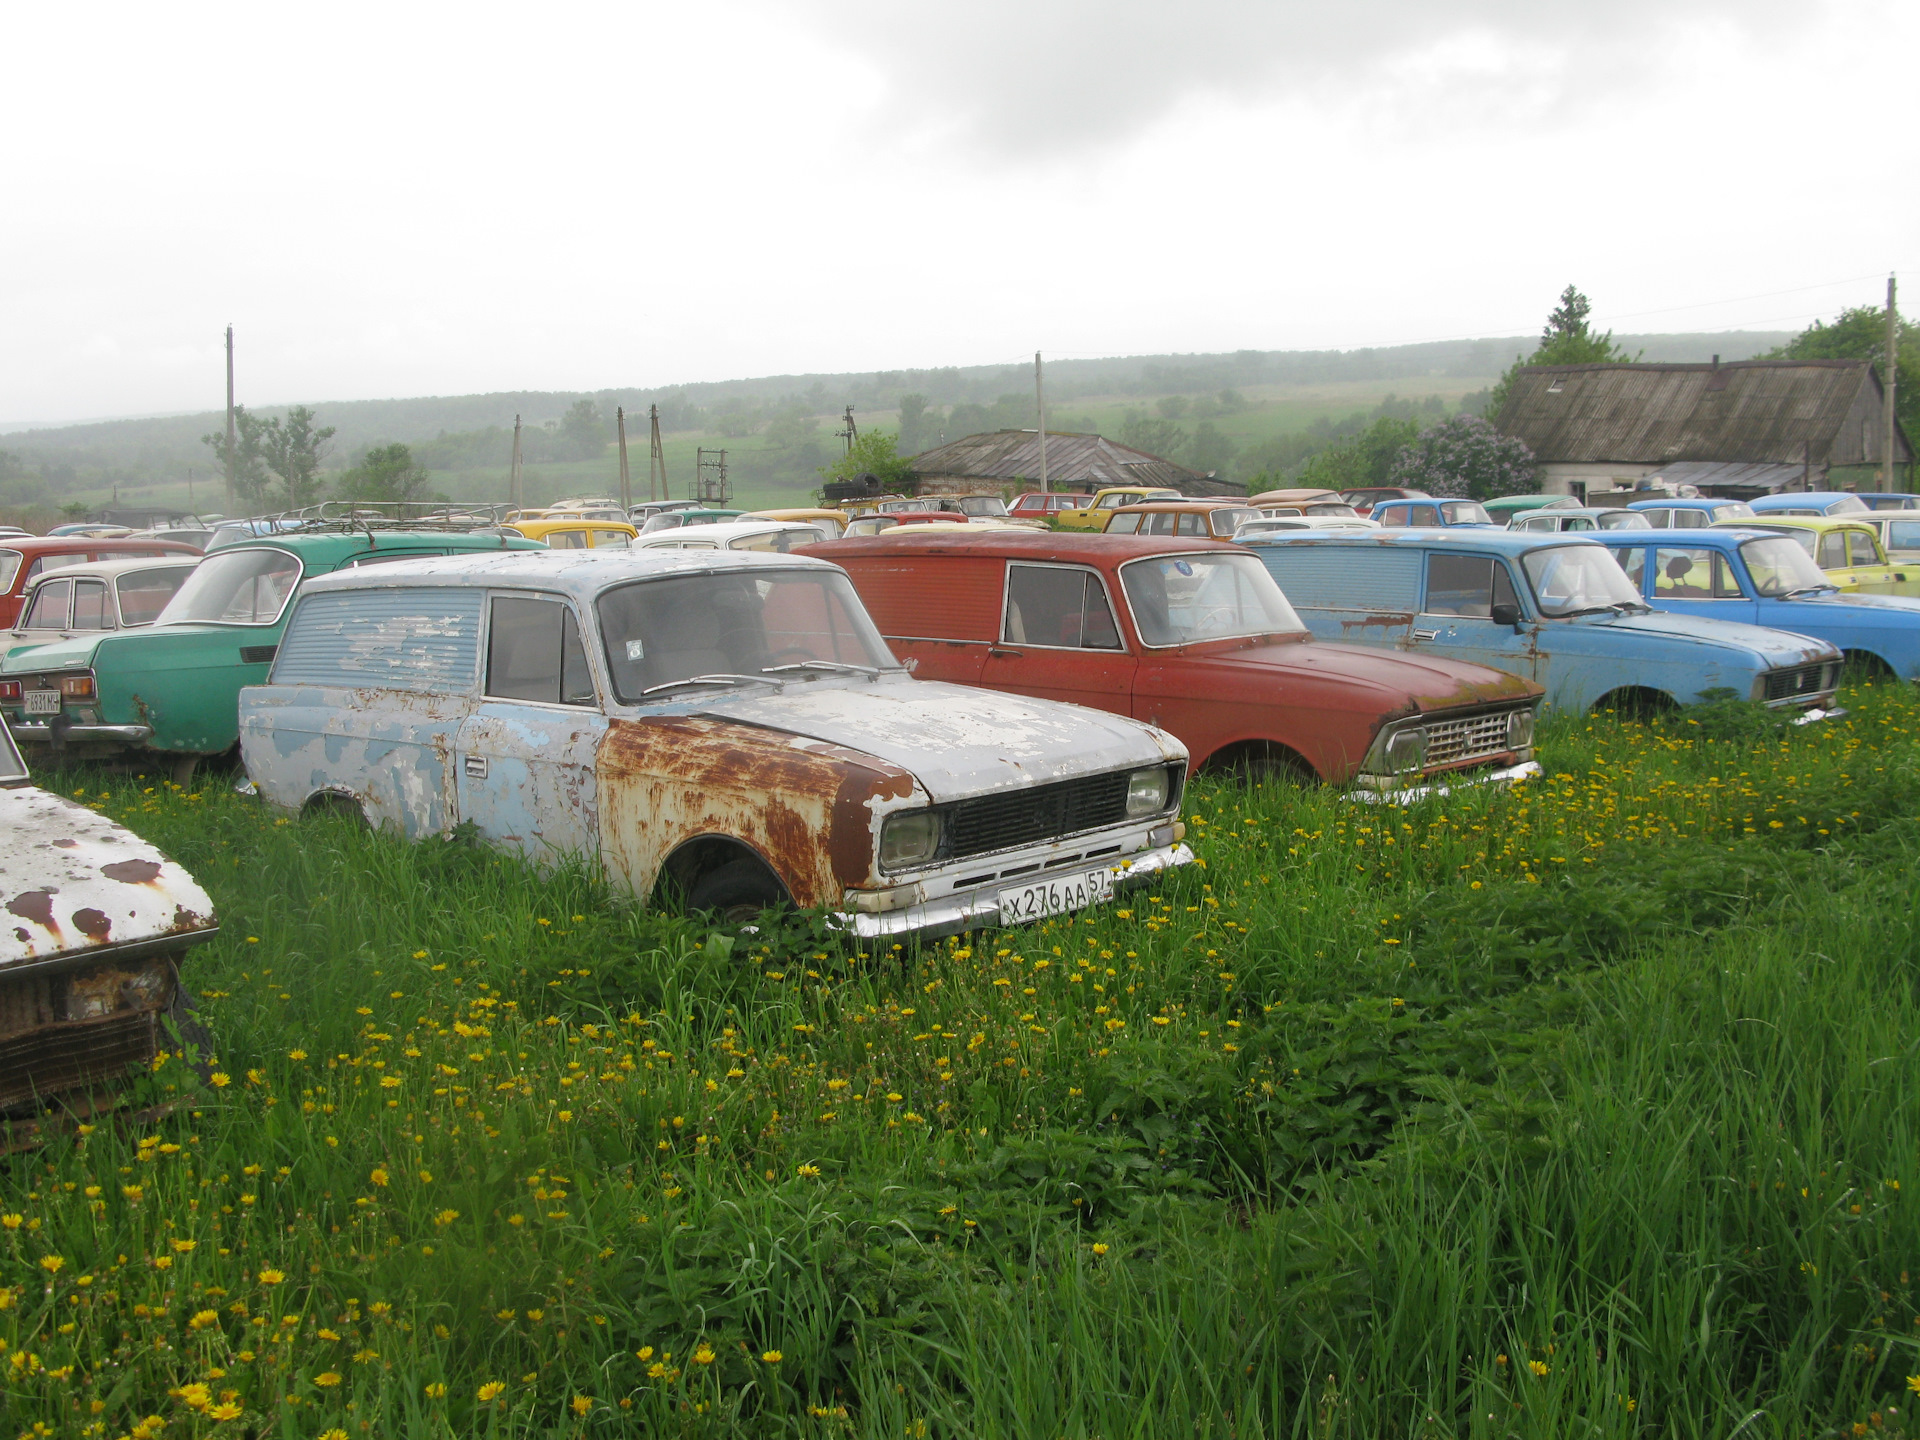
x: 43, y: 702
x: 1056, y: 896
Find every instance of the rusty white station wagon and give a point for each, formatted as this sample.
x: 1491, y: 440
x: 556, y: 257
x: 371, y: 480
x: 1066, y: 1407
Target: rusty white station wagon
x: 719, y: 727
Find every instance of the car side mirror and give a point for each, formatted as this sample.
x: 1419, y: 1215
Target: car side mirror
x: 1506, y: 613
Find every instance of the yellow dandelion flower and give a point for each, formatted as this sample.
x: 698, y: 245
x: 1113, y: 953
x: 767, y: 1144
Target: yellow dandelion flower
x: 226, y: 1410
x: 195, y: 1396
x: 489, y: 1391
x: 1099, y: 1249
x: 51, y: 1264
x: 203, y: 1319
x: 582, y: 1404
x: 272, y: 1277
x: 219, y: 1079
x: 296, y: 1054
x: 327, y: 1379
x: 184, y: 1247
x: 1538, y: 1367
x: 437, y: 1390
x: 704, y: 1354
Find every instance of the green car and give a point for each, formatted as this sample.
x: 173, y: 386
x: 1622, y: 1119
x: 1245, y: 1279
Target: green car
x: 173, y: 688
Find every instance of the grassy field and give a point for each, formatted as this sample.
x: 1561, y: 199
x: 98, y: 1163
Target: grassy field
x: 1585, y: 1109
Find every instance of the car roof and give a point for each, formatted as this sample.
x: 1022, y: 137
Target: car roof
x: 726, y: 530
x: 1009, y: 542
x: 1297, y: 496
x: 1684, y: 502
x: 1587, y: 511
x: 1821, y: 523
x: 536, y: 527
x: 1189, y: 507
x: 31, y: 545
x: 580, y: 573
x: 110, y: 569
x: 346, y: 543
x: 1484, y: 538
x: 1722, y: 535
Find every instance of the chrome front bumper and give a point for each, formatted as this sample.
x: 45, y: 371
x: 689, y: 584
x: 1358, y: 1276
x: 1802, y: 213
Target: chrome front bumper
x: 29, y: 732
x: 1525, y: 771
x: 1829, y: 711
x: 979, y: 908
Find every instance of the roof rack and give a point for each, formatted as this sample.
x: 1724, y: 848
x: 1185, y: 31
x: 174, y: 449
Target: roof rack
x: 371, y: 515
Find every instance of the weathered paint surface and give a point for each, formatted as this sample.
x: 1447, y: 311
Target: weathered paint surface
x: 92, y: 924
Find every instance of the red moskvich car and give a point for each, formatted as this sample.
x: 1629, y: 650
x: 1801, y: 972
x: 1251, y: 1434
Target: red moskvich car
x: 1192, y: 636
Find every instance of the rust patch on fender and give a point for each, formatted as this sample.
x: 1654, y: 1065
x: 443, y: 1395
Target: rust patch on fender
x: 132, y: 872
x: 66, y: 844
x: 1376, y: 622
x: 35, y: 905
x: 802, y: 804
x: 92, y: 923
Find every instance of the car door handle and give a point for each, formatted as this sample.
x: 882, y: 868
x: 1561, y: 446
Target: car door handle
x: 999, y: 653
x: 1426, y: 634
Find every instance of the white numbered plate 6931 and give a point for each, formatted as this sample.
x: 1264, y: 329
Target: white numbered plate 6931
x: 43, y: 702
x: 1056, y: 896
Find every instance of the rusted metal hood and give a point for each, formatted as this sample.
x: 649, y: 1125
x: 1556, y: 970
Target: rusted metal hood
x: 1397, y: 678
x: 957, y: 741
x: 72, y: 883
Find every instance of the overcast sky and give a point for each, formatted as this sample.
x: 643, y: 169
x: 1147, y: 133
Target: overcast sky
x: 404, y: 199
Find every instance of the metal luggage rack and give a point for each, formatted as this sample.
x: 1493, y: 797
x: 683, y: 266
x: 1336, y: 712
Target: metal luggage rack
x: 372, y: 515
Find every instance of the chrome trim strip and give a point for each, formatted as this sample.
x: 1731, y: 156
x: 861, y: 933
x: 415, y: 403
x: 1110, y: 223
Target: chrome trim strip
x: 1512, y: 773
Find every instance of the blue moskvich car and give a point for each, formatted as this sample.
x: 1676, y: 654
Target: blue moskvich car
x: 1556, y: 609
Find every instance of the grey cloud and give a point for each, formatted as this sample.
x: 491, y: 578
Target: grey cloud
x: 1042, y: 77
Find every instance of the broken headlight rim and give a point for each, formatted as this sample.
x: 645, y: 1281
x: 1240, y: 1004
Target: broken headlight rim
x: 909, y: 839
x: 1405, y: 750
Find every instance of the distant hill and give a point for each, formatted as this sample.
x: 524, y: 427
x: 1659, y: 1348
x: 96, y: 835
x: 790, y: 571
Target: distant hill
x: 161, y: 449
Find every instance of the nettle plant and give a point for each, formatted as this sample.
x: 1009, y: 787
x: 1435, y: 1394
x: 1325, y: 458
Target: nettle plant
x: 1465, y: 457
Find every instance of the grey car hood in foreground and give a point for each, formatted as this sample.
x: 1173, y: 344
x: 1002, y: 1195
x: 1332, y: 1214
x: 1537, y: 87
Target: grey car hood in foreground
x: 73, y: 882
x: 957, y: 741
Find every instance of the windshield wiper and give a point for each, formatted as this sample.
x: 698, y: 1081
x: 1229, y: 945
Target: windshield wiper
x: 822, y: 665
x: 717, y: 679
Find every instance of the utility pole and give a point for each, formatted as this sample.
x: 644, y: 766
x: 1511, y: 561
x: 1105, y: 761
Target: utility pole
x: 850, y: 432
x: 1892, y: 385
x: 229, y: 456
x: 513, y: 473
x: 626, y: 484
x: 657, y: 460
x: 1040, y: 401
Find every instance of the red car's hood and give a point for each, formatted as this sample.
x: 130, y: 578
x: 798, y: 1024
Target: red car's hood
x: 1420, y: 682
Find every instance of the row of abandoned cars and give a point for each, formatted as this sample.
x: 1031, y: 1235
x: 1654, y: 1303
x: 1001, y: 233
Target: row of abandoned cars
x: 918, y: 732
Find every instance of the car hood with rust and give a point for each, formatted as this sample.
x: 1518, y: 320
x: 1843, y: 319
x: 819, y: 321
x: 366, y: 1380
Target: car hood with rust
x: 1351, y: 677
x: 73, y: 882
x: 956, y: 740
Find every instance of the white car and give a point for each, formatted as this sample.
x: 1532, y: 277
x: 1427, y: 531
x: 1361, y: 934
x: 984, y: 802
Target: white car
x: 1283, y: 524
x: 778, y: 536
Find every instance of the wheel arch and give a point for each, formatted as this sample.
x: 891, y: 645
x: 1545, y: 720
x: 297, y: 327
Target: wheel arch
x: 700, y: 855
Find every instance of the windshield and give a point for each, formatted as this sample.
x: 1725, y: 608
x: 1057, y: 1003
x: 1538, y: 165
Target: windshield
x: 1624, y: 520
x: 1329, y: 508
x: 1847, y: 505
x: 1738, y: 510
x: 983, y: 505
x: 1465, y: 512
x: 1578, y: 579
x: 738, y: 623
x: 1805, y: 539
x: 1779, y: 567
x: 235, y: 587
x: 1179, y: 599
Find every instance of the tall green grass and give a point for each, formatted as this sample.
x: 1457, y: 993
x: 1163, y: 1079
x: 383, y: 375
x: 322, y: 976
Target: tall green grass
x: 1583, y: 1109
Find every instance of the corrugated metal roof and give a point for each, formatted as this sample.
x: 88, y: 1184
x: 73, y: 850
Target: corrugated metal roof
x: 1754, y: 411
x: 1732, y: 474
x: 1074, y: 461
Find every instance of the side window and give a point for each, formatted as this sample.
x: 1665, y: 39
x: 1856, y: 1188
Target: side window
x: 144, y: 594
x: 1726, y: 586
x: 1112, y: 502
x: 1159, y: 524
x: 1833, y: 550
x: 1860, y: 548
x: 1634, y: 562
x: 567, y: 540
x: 1191, y: 525
x: 1683, y: 574
x: 90, y: 610
x: 534, y: 653
x: 1579, y: 522
x: 1425, y: 515
x: 1124, y: 524
x: 53, y: 562
x: 1468, y: 585
x: 1058, y: 607
x: 610, y: 540
x: 49, y: 608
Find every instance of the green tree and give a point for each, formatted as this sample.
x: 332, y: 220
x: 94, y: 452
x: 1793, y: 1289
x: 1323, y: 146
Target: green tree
x: 387, y: 472
x: 1209, y: 451
x: 293, y: 448
x: 251, y: 481
x: 1465, y: 457
x: 876, y: 452
x: 583, y: 430
x: 1566, y: 339
x: 1366, y: 459
x: 1860, y: 333
x: 1157, y: 437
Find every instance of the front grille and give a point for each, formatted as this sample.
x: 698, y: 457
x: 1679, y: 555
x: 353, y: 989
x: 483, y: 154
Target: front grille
x: 1799, y: 680
x: 1026, y: 817
x: 1449, y: 742
x: 60, y: 1032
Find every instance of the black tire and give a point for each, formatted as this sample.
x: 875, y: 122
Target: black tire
x: 737, y: 892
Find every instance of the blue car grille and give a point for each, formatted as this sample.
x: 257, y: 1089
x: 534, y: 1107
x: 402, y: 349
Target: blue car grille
x: 1798, y: 680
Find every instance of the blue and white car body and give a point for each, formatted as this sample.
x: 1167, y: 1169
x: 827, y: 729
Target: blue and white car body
x: 1429, y: 513
x: 1555, y: 609
x: 1761, y: 577
x: 1685, y: 513
x: 1809, y: 502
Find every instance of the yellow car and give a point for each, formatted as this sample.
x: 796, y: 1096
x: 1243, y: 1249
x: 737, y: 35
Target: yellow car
x: 1845, y: 547
x: 564, y: 533
x: 1105, y: 503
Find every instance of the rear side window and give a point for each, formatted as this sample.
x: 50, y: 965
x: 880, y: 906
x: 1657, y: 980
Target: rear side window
x: 9, y: 567
x: 610, y: 540
x: 424, y: 639
x: 1833, y: 550
x: 534, y: 653
x: 1191, y: 525
x: 48, y: 608
x: 1693, y: 575
x: 567, y: 540
x: 1901, y: 535
x: 90, y: 610
x: 1059, y: 607
x: 54, y: 562
x: 1125, y: 524
x: 1469, y: 585
x: 144, y: 593
x: 1860, y: 548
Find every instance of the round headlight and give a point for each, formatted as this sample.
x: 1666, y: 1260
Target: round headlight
x: 1519, y: 729
x: 1147, y: 791
x: 909, y: 839
x: 1407, y: 750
